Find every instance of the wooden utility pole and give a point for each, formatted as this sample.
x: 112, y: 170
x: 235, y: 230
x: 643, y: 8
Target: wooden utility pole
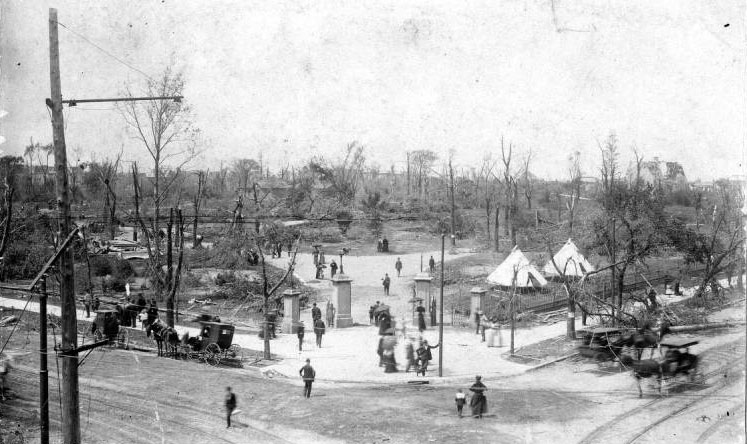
x: 69, y: 327
x: 43, y: 374
x: 441, y: 317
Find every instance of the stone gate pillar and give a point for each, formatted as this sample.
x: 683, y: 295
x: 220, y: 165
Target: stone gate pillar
x: 476, y: 303
x: 291, y: 310
x: 422, y: 291
x: 342, y: 297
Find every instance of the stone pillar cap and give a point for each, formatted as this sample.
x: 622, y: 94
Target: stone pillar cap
x: 478, y: 290
x: 423, y: 276
x: 342, y: 278
x: 291, y: 292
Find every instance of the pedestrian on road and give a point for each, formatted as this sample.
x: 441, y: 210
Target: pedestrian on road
x: 300, y: 334
x: 386, y: 282
x: 88, y: 302
x: 425, y: 356
x: 479, y: 402
x: 230, y: 405
x: 432, y: 264
x: 398, y: 266
x: 371, y: 314
x: 460, y: 399
x: 333, y: 268
x: 319, y: 330
x: 316, y: 312
x: 307, y: 374
x: 96, y: 303
x: 410, y: 356
x: 330, y: 314
x: 421, y: 317
x: 484, y: 325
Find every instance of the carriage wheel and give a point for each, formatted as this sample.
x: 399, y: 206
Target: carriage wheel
x: 123, y: 338
x: 234, y: 350
x: 212, y: 354
x: 194, y: 355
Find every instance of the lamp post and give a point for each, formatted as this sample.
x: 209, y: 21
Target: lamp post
x: 341, y: 253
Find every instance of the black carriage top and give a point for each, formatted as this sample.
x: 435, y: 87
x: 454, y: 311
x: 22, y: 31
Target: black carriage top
x: 217, y: 332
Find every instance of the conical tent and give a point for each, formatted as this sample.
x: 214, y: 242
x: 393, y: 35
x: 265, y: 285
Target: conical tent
x: 569, y: 259
x: 527, y: 274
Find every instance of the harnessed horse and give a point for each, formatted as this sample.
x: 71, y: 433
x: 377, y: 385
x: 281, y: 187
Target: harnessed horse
x: 163, y: 333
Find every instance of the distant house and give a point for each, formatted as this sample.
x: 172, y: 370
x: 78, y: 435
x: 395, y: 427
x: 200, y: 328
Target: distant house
x: 667, y: 175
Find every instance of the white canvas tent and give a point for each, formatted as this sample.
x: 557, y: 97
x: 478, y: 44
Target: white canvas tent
x: 569, y: 259
x: 527, y: 274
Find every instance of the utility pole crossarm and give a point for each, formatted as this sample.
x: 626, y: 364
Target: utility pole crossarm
x: 74, y: 102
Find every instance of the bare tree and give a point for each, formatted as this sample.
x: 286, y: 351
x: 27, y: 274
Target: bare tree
x: 9, y: 167
x: 165, y: 129
x: 574, y: 176
x: 106, y: 173
x: 511, y: 190
x: 419, y: 165
x: 197, y: 199
x: 527, y: 180
x: 485, y: 183
x: 343, y: 176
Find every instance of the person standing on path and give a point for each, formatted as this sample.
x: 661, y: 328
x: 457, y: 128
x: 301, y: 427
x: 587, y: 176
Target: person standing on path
x: 330, y: 314
x: 88, y: 302
x: 460, y: 399
x: 230, y: 402
x: 316, y: 312
x: 432, y: 264
x: 421, y: 317
x: 425, y: 356
x: 479, y: 402
x: 319, y: 330
x: 307, y: 374
x: 398, y: 266
x: 300, y: 335
x: 333, y: 268
x: 409, y: 356
x: 386, y: 281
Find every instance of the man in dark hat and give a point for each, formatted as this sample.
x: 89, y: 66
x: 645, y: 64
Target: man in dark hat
x: 316, y: 312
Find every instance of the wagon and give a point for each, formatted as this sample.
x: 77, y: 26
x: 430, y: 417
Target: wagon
x: 107, y: 327
x: 214, y: 343
x: 597, y: 343
x: 678, y: 360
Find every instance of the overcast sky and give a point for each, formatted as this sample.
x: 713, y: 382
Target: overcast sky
x: 295, y: 78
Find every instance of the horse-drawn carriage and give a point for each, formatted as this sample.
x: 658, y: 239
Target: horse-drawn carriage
x: 677, y: 361
x: 214, y: 344
x: 599, y: 343
x: 107, y: 326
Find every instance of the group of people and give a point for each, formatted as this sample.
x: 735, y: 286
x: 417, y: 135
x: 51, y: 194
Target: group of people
x: 478, y: 402
x: 382, y: 245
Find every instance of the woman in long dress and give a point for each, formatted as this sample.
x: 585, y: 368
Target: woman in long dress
x: 479, y: 402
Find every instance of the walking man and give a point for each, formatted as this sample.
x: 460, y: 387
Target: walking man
x: 307, y: 374
x: 88, y: 302
x: 319, y: 329
x: 300, y: 335
x: 230, y: 405
x: 316, y: 312
x: 432, y: 264
x: 386, y: 281
x: 398, y: 266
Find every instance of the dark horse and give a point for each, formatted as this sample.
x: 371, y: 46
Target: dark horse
x: 163, y: 333
x: 674, y: 363
x: 645, y: 368
x: 642, y: 338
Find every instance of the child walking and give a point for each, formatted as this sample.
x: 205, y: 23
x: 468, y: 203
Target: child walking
x: 460, y: 399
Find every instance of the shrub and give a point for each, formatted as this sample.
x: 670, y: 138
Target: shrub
x: 123, y: 269
x: 101, y: 265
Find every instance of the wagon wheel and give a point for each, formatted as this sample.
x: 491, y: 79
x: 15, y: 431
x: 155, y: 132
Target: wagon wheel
x: 123, y: 338
x: 194, y: 355
x: 212, y: 354
x: 234, y: 350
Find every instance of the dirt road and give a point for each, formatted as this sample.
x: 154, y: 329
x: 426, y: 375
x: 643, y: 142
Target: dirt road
x: 133, y: 397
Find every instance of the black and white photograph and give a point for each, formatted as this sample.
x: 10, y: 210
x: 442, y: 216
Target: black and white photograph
x: 380, y: 222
